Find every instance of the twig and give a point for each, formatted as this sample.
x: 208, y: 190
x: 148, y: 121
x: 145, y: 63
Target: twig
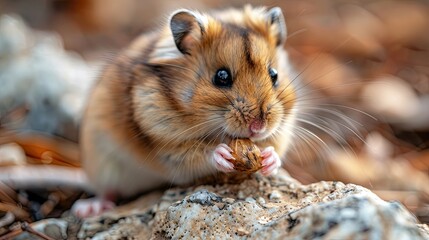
x: 7, y: 194
x: 26, y: 227
x: 39, y: 145
x: 12, y: 234
x: 43, y: 175
x: 15, y: 209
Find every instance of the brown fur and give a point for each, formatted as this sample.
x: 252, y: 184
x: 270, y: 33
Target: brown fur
x: 156, y: 111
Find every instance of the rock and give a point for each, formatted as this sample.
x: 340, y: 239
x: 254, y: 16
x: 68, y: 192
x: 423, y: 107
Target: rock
x: 54, y: 228
x: 43, y: 87
x: 259, y: 208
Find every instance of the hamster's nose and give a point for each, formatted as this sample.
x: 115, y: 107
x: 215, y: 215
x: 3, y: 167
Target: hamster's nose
x: 257, y: 126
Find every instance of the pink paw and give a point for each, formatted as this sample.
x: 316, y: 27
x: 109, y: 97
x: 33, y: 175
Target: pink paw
x: 271, y: 161
x: 220, y: 158
x: 84, y: 208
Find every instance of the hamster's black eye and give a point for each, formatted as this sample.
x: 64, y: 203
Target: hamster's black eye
x: 273, y: 75
x: 223, y: 78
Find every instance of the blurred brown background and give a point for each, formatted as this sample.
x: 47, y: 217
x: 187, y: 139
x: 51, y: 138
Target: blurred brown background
x: 365, y: 63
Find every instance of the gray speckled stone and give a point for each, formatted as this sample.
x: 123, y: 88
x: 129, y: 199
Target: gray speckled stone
x: 289, y: 210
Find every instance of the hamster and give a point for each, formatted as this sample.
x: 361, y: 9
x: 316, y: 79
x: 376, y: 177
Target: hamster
x: 164, y: 110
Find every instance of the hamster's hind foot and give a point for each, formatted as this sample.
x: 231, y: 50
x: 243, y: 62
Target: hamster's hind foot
x: 271, y: 161
x: 84, y: 208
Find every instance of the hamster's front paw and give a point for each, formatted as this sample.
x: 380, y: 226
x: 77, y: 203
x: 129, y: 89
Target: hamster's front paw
x: 270, y: 161
x: 220, y: 158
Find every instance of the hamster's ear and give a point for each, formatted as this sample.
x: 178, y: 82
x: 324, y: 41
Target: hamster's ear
x: 277, y: 24
x: 187, y: 28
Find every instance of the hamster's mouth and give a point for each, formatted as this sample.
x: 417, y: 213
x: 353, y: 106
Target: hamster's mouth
x: 251, y: 136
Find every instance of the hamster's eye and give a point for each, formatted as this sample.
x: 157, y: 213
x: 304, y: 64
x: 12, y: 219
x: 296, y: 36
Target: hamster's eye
x: 273, y: 75
x: 223, y: 78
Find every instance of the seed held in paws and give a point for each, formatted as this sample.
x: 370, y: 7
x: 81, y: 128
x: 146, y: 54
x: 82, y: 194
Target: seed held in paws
x: 247, y: 155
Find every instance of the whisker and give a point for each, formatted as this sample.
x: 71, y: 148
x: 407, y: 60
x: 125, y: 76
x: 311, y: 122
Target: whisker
x: 191, y: 159
x: 352, y: 129
x: 352, y: 108
x: 174, y: 137
x: 338, y: 114
x: 307, y: 83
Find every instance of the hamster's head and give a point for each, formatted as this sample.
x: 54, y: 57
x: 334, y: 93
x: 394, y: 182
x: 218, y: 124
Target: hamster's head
x: 229, y: 71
